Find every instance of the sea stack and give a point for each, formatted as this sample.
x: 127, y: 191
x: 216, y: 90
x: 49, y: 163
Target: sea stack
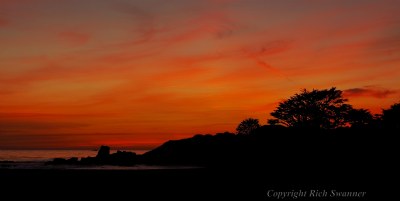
x: 104, y: 152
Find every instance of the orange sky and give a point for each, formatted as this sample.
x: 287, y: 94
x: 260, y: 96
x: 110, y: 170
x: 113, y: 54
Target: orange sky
x: 136, y: 73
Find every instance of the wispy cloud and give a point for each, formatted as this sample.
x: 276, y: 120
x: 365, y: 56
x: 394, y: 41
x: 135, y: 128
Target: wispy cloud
x: 144, y: 24
x: 274, y: 47
x: 183, y: 66
x: 261, y: 53
x: 369, y: 91
x: 35, y: 125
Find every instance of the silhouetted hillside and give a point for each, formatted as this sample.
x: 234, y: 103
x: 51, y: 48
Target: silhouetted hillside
x: 280, y: 148
x: 198, y: 150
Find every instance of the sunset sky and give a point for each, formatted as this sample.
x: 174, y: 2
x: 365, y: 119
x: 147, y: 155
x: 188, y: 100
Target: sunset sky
x: 135, y: 73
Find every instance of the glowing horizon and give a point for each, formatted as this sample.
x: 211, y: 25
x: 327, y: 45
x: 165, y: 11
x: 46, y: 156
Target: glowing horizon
x: 132, y: 73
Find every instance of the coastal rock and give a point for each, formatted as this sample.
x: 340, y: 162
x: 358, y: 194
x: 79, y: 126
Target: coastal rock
x: 59, y: 161
x: 103, y: 153
x: 63, y: 161
x: 103, y: 157
x: 123, y: 158
x: 73, y: 160
x: 89, y: 161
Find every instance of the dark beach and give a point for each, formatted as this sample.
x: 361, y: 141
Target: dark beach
x: 188, y: 184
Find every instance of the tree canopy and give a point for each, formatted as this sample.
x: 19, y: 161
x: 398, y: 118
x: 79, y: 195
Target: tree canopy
x: 247, y: 126
x: 391, y: 116
x: 359, y: 118
x: 313, y: 109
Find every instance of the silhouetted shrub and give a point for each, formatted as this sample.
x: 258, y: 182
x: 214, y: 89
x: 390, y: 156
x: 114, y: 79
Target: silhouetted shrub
x: 247, y: 126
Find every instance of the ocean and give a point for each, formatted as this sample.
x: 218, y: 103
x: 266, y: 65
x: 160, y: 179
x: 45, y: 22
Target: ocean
x: 35, y: 159
x: 47, y: 155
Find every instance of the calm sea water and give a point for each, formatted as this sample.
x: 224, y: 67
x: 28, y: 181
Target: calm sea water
x: 46, y: 155
x: 35, y: 159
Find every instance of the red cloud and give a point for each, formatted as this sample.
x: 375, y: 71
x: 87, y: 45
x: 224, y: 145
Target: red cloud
x: 369, y: 91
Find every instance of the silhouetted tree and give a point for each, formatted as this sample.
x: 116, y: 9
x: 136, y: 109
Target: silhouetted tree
x: 391, y: 116
x: 359, y: 118
x: 247, y: 126
x: 314, y: 109
x: 273, y: 122
x: 377, y: 121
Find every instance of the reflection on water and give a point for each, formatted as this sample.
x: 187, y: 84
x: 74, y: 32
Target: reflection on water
x: 46, y: 155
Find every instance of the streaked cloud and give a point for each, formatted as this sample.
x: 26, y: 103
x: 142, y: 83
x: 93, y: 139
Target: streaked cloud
x: 369, y: 91
x: 7, y: 126
x: 155, y: 71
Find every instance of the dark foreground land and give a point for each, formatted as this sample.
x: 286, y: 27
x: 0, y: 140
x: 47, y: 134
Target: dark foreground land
x: 188, y: 184
x: 235, y: 168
